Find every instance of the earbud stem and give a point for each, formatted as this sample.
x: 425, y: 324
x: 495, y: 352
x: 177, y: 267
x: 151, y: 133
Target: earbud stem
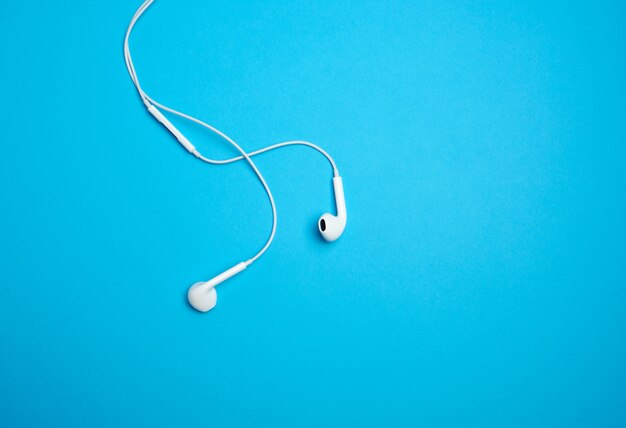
x: 225, y: 275
x: 340, y: 200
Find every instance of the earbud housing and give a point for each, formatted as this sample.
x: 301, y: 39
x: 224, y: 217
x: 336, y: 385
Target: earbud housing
x: 331, y: 226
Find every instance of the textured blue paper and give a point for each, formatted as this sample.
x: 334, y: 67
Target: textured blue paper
x: 481, y: 278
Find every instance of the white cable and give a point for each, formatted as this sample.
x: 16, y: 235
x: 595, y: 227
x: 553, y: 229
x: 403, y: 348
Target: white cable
x: 247, y: 156
x: 131, y: 70
x: 145, y: 97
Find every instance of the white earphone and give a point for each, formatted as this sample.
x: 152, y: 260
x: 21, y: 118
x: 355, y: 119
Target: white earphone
x: 202, y: 295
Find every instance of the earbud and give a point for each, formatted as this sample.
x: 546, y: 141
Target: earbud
x: 330, y: 226
x: 202, y: 295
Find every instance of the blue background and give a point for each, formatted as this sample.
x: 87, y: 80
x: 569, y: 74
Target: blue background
x: 481, y: 278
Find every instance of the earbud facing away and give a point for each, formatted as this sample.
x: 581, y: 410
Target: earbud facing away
x: 202, y: 295
x: 331, y: 226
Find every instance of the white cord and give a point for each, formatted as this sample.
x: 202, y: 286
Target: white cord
x: 146, y: 99
x: 144, y: 96
x: 247, y: 156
